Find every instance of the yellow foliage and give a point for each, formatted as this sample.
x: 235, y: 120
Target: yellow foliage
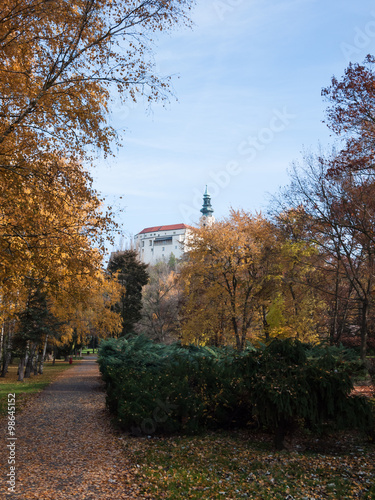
x: 245, y: 280
x: 228, y: 274
x: 59, y: 61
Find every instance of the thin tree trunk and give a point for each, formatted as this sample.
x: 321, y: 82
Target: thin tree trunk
x: 42, y: 356
x: 334, y: 328
x: 21, y: 368
x: 364, y: 316
x: 35, y: 363
x: 2, y: 342
x: 266, y: 326
x: 236, y: 334
x: 235, y: 325
x: 296, y: 311
x: 343, y: 321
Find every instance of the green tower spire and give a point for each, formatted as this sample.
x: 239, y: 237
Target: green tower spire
x: 207, y: 209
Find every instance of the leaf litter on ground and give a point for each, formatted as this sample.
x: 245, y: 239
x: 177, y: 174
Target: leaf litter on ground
x: 243, y: 464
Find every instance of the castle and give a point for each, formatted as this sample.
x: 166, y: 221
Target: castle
x: 158, y: 243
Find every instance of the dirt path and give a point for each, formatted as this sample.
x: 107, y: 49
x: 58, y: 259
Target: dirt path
x: 65, y: 448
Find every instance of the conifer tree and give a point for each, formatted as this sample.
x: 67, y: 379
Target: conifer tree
x: 132, y: 275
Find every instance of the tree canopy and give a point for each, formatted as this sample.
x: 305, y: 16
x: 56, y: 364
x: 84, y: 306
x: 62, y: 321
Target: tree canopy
x: 63, y: 65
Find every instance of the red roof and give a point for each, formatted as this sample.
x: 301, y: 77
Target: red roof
x: 155, y: 229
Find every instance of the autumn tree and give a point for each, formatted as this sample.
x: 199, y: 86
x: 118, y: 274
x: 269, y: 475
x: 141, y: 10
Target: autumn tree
x: 204, y: 318
x: 161, y: 302
x: 63, y: 63
x: 297, y: 309
x: 340, y: 221
x: 55, y: 316
x: 89, y: 307
x: 60, y: 63
x: 58, y: 258
x: 132, y: 275
x: 351, y: 115
x: 48, y: 243
x: 62, y: 59
x: 36, y: 323
x: 229, y: 266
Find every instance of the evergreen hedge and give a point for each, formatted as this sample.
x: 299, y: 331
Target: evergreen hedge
x: 167, y: 389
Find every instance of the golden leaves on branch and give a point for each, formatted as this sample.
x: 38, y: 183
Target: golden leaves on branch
x: 227, y: 275
x: 60, y: 62
x: 244, y: 280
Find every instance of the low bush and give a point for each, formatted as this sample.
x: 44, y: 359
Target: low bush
x: 167, y: 389
x: 174, y: 388
x: 290, y: 387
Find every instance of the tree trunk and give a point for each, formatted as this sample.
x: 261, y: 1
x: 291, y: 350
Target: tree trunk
x: 42, y: 356
x: 2, y: 354
x: 29, y: 361
x: 28, y: 366
x: 295, y: 302
x: 8, y: 352
x: 334, y: 327
x: 235, y: 327
x: 7, y: 358
x: 35, y: 364
x: 343, y: 321
x: 266, y: 326
x: 236, y: 334
x: 364, y: 317
x: 21, y: 368
x: 27, y: 354
x: 54, y: 355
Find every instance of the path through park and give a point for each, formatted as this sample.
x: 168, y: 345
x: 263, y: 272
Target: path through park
x: 65, y: 447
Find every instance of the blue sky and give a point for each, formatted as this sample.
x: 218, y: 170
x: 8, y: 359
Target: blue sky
x: 248, y: 79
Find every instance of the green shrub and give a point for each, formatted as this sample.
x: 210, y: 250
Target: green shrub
x: 199, y: 386
x: 157, y: 388
x: 288, y: 387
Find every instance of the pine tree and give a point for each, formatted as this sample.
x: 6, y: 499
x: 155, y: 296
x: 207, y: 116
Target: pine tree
x: 132, y: 275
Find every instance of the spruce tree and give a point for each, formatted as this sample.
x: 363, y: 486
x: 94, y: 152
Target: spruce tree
x: 132, y: 275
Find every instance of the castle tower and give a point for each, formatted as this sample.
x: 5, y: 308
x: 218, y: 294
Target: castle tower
x: 207, y: 218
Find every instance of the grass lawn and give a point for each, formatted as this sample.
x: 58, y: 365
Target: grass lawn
x: 241, y: 465
x: 86, y: 351
x: 29, y: 386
